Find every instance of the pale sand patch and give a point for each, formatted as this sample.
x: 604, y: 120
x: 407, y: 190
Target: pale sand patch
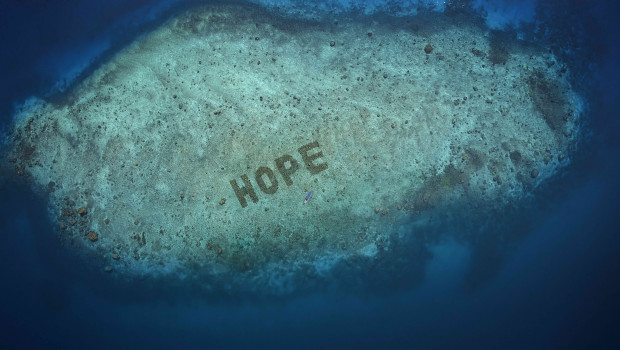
x: 150, y: 142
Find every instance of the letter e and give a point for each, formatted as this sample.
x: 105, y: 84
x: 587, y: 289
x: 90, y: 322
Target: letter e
x: 313, y: 168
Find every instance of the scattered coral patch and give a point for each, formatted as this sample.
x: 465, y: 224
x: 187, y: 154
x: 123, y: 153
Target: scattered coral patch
x: 498, y: 53
x: 428, y: 48
x: 548, y: 100
x: 93, y: 236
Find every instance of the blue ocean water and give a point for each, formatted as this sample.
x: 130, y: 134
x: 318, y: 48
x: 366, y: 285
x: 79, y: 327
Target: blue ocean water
x: 557, y: 288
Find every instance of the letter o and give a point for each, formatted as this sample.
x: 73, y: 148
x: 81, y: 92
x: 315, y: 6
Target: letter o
x: 272, y: 179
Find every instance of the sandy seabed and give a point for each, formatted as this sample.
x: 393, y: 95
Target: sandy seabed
x: 190, y: 151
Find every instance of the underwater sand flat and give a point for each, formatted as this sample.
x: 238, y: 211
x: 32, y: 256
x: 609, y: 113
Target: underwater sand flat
x: 192, y: 150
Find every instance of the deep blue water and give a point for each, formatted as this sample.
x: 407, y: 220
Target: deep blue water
x: 558, y: 289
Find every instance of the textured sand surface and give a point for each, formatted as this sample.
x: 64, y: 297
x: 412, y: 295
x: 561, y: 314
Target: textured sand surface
x: 394, y: 130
